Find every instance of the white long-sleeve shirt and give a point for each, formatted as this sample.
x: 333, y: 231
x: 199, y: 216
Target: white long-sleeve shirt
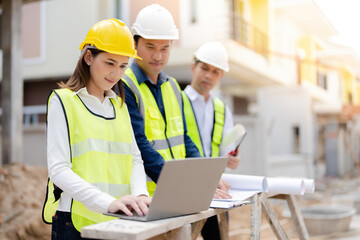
x: 59, y: 164
x: 204, y: 112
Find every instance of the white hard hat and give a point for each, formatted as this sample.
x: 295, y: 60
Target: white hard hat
x: 155, y: 22
x: 213, y: 53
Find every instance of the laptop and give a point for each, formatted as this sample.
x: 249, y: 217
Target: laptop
x: 184, y: 187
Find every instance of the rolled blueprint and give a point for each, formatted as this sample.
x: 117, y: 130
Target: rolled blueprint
x: 284, y: 185
x: 244, y: 186
x: 309, y: 185
x: 246, y: 182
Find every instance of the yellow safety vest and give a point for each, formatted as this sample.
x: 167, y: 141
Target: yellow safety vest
x: 166, y: 137
x: 101, y: 154
x: 193, y: 129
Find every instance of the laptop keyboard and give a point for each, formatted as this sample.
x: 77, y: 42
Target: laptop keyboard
x: 124, y: 216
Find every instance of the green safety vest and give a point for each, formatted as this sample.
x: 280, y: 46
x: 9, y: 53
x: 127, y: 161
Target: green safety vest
x: 193, y: 127
x: 166, y: 137
x: 101, y: 154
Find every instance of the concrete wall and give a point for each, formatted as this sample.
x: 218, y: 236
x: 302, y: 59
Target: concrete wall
x: 283, y: 45
x: 34, y: 145
x: 64, y: 29
x: 213, y: 21
x: 291, y: 135
x: 64, y: 25
x: 287, y: 108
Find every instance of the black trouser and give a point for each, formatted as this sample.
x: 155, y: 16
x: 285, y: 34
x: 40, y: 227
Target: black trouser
x: 211, y: 230
x: 63, y: 228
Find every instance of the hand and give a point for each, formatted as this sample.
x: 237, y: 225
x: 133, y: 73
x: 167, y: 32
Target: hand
x: 224, y: 185
x: 146, y: 199
x: 130, y: 203
x: 221, y: 190
x: 233, y: 162
x: 219, y: 193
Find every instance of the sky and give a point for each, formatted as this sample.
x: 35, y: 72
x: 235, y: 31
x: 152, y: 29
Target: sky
x: 345, y: 17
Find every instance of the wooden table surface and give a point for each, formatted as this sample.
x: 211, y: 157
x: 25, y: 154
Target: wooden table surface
x: 189, y: 226
x: 135, y: 230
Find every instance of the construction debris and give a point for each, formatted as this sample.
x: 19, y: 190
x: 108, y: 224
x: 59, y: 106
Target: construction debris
x: 22, y: 192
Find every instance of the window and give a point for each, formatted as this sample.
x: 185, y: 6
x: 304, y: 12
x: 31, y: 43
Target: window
x: 322, y: 80
x: 193, y: 10
x: 296, y: 138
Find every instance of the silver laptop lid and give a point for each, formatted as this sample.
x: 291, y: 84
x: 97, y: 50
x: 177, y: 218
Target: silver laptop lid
x: 186, y: 186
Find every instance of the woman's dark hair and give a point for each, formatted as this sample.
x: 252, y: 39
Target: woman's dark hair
x: 81, y: 75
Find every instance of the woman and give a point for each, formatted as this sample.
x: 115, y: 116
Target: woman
x: 93, y: 159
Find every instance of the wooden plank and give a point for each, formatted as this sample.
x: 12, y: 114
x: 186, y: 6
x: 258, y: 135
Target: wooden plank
x: 180, y: 227
x: 278, y: 196
x: 255, y: 218
x: 196, y: 228
x: 223, y: 226
x: 133, y: 230
x: 181, y: 233
x: 297, y: 218
x: 12, y: 83
x: 272, y: 218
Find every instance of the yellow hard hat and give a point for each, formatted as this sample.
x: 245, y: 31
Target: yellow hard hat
x: 112, y: 36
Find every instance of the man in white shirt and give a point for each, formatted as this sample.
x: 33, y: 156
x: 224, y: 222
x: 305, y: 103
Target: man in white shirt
x: 210, y: 62
x: 207, y: 117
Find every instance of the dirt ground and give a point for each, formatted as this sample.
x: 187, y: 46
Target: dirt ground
x: 22, y: 192
x: 239, y: 223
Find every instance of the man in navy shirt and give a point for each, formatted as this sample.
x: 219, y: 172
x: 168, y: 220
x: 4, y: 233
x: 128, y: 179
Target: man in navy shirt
x: 150, y: 92
x: 154, y: 100
x: 154, y: 30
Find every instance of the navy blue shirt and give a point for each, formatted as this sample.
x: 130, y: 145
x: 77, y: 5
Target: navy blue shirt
x: 153, y: 161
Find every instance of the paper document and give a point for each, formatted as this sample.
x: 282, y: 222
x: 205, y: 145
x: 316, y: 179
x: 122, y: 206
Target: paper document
x: 227, y: 204
x: 244, y: 187
x: 233, y: 137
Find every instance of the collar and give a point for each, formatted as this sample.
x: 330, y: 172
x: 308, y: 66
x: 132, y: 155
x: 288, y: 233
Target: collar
x: 141, y: 76
x: 193, y: 94
x: 108, y: 93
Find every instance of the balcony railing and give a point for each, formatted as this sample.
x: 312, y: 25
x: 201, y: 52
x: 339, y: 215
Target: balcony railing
x: 249, y: 36
x: 31, y: 114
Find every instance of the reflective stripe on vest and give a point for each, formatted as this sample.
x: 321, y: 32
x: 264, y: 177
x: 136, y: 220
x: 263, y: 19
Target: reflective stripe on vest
x: 218, y: 126
x: 193, y: 127
x: 192, y: 124
x: 99, y: 154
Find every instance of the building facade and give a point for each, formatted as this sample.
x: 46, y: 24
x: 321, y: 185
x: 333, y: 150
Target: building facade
x: 287, y: 83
